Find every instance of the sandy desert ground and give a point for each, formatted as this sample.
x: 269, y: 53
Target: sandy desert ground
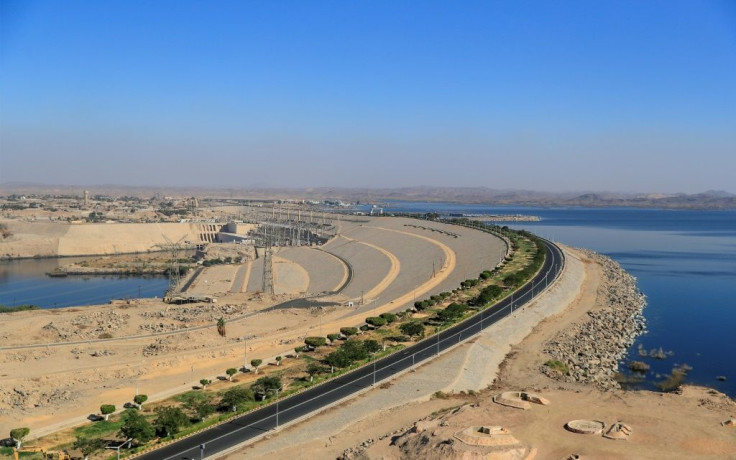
x: 58, y: 368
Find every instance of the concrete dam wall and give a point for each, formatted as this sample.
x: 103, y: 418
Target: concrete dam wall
x: 52, y: 239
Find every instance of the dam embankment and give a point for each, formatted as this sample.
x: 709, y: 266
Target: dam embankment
x: 61, y: 239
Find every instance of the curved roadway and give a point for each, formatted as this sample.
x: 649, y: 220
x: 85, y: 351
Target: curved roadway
x: 223, y: 437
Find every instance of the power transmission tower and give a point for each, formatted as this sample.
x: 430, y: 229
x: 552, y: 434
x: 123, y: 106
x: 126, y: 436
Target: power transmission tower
x: 173, y: 263
x: 267, y: 286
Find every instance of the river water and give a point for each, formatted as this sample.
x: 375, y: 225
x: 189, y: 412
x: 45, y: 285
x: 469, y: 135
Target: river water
x: 684, y: 261
x: 24, y: 282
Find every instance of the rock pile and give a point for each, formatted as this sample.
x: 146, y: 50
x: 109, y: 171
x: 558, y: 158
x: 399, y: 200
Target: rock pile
x: 87, y: 325
x: 591, y: 350
x: 197, y: 313
x: 25, y: 398
x: 159, y: 346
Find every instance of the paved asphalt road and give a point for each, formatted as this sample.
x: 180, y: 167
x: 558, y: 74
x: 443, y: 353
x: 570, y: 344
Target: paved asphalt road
x: 241, y: 429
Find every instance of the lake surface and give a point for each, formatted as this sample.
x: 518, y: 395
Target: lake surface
x: 685, y: 263
x: 25, y: 282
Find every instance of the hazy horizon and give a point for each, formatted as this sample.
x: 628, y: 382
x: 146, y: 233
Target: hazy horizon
x: 624, y: 96
x: 106, y: 188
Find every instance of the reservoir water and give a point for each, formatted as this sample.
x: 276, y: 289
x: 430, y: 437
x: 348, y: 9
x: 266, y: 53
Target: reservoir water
x: 24, y: 282
x: 684, y: 261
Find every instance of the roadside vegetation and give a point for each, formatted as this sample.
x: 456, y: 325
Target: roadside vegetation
x: 240, y: 390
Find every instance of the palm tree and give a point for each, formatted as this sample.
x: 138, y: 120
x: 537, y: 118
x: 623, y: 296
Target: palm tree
x: 221, y: 327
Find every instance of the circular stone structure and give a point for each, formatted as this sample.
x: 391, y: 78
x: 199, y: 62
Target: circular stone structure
x: 512, y: 399
x: 585, y: 426
x: 487, y: 436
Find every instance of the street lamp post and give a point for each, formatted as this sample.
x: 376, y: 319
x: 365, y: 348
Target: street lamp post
x: 277, y: 405
x: 512, y: 301
x: 117, y: 448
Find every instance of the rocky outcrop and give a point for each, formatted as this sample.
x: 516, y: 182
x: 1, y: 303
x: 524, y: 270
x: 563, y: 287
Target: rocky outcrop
x: 591, y: 350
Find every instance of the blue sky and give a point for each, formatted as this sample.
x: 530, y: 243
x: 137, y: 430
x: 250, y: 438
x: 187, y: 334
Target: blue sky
x: 616, y: 95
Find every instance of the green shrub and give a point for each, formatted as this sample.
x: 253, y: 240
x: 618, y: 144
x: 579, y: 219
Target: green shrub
x: 399, y: 338
x: 339, y: 358
x: 136, y: 426
x: 237, y: 396
x: 106, y: 410
x: 264, y: 384
x: 140, y: 399
x: 376, y: 321
x: 315, y: 342
x: 88, y: 446
x: 4, y: 309
x: 389, y: 317
x: 372, y: 346
x: 17, y: 435
x: 452, y: 312
x: 559, y: 366
x: 354, y: 349
x: 169, y: 420
x: 348, y: 331
x: 412, y: 328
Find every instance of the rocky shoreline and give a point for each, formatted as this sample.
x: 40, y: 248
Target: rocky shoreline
x: 589, y: 352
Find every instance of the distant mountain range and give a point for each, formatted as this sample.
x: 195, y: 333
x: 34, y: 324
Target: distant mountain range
x: 712, y: 199
x: 477, y: 195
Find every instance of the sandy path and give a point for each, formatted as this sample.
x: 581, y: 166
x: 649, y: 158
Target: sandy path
x: 240, y: 283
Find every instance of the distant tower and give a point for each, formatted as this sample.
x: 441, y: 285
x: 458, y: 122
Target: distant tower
x: 86, y: 198
x: 193, y: 205
x: 267, y: 287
